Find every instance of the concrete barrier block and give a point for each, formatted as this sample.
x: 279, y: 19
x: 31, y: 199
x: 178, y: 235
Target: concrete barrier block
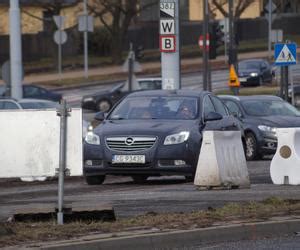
x: 285, y: 165
x: 222, y: 161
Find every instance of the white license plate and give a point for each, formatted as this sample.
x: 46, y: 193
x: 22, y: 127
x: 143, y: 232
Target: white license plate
x: 128, y: 159
x: 243, y: 79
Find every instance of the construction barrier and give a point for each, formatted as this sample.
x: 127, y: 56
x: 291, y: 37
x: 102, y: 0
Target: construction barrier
x: 285, y: 165
x: 222, y: 161
x: 30, y: 139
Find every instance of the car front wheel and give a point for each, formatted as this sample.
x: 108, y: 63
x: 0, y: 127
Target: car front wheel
x: 103, y: 105
x: 251, y: 147
x: 95, y: 180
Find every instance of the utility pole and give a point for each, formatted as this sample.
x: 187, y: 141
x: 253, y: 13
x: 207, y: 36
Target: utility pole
x: 85, y: 37
x: 170, y: 44
x: 205, y: 53
x: 15, y: 50
x: 270, y: 29
x: 232, y: 46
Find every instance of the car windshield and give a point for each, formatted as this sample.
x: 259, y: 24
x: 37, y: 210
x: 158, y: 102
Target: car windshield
x: 149, y: 107
x: 149, y: 84
x: 269, y: 107
x: 39, y: 105
x: 249, y: 65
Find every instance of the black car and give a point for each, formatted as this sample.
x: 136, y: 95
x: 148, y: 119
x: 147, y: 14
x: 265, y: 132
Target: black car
x: 254, y: 72
x: 104, y: 100
x: 154, y: 133
x: 260, y: 117
x: 35, y: 92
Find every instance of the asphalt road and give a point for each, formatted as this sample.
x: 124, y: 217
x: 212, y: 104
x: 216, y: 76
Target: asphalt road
x: 160, y: 195
x: 283, y: 243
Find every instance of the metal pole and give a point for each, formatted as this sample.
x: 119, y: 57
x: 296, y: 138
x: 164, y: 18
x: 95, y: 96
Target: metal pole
x: 60, y: 55
x: 232, y: 47
x: 281, y: 82
x: 270, y: 29
x: 63, y: 112
x: 291, y: 77
x: 85, y: 34
x: 286, y: 83
x: 130, y: 68
x: 205, y: 54
x: 15, y: 50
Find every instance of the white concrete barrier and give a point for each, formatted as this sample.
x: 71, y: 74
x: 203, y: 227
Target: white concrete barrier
x: 285, y: 165
x: 222, y: 161
x: 29, y: 144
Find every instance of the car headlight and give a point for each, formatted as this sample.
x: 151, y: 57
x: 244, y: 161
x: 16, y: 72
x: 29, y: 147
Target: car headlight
x: 177, y: 138
x: 267, y: 129
x: 92, y: 138
x: 88, y: 99
x: 254, y: 74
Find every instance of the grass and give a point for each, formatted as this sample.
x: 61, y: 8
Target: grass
x: 247, y: 212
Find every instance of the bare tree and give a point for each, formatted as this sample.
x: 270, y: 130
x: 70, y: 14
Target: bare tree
x: 52, y: 8
x: 116, y: 16
x: 222, y: 6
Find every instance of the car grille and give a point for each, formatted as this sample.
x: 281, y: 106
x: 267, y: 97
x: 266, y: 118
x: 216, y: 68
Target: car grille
x: 130, y: 144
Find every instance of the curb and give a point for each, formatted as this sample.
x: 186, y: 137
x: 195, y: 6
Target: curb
x: 184, y: 238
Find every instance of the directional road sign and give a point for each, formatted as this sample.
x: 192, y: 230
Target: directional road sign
x: 285, y: 54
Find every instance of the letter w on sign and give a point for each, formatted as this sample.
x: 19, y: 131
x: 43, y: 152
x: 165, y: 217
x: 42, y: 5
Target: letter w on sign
x: 167, y: 27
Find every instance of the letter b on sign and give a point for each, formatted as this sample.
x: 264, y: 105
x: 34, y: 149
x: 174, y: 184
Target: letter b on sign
x: 167, y: 43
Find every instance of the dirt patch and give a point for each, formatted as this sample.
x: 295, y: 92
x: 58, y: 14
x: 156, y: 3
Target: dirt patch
x: 29, y: 232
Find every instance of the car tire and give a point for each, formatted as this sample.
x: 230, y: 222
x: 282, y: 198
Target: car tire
x: 95, y: 179
x: 139, y: 178
x: 251, y: 147
x: 103, y: 105
x: 189, y: 178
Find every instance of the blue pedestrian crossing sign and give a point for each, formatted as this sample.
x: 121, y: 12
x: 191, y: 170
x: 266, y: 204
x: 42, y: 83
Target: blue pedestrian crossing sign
x: 285, y: 54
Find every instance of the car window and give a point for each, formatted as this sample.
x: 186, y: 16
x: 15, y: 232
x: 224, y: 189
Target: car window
x: 149, y: 84
x: 1, y: 105
x: 233, y: 107
x: 269, y: 108
x: 207, y: 106
x: 10, y: 105
x: 30, y: 91
x: 219, y: 106
x: 162, y: 107
x: 39, y: 105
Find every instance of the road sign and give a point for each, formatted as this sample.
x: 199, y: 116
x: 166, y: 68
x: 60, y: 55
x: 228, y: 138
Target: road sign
x: 167, y: 27
x: 167, y: 10
x: 59, y: 21
x: 285, y: 54
x: 60, y: 39
x: 86, y: 23
x: 276, y: 36
x: 200, y: 42
x: 167, y: 43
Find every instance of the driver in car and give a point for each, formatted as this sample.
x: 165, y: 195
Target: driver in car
x: 186, y: 112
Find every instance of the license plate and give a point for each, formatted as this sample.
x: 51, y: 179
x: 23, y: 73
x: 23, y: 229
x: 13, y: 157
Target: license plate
x: 243, y: 79
x: 128, y: 159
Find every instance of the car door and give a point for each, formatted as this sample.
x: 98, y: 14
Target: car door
x: 266, y: 72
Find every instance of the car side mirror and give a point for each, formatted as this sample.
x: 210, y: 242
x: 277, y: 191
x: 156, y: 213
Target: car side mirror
x: 100, y: 116
x: 212, y: 116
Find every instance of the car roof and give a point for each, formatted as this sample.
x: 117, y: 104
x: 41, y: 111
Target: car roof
x: 251, y: 97
x: 27, y: 100
x: 178, y: 92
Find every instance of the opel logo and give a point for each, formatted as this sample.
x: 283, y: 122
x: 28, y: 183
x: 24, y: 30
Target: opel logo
x: 129, y: 141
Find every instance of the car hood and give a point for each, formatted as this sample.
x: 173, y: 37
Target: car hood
x: 147, y: 127
x: 279, y: 121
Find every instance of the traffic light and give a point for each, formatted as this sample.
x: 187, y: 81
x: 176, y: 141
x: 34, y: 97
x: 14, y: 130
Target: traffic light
x: 139, y: 52
x: 216, y: 39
